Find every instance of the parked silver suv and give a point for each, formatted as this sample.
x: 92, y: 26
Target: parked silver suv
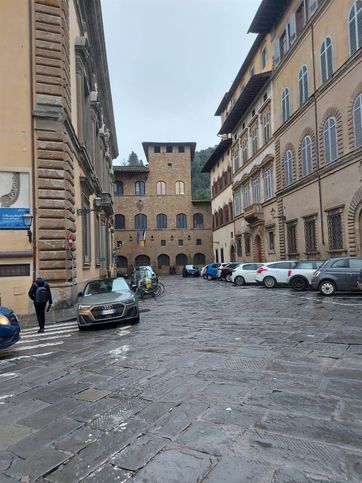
x: 338, y: 275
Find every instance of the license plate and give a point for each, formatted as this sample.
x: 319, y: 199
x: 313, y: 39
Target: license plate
x: 108, y: 312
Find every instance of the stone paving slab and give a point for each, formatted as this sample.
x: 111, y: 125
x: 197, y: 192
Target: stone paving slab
x: 139, y: 453
x: 107, y: 474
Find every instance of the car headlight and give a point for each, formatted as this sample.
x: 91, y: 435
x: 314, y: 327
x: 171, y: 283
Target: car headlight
x: 131, y: 300
x: 4, y: 320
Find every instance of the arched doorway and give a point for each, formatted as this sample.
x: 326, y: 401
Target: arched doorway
x: 199, y: 259
x: 258, y: 251
x: 142, y: 260
x: 232, y: 253
x: 163, y: 262
x: 122, y: 263
x: 181, y: 260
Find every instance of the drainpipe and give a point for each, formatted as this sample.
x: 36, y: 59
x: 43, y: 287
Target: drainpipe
x: 317, y: 137
x: 32, y: 136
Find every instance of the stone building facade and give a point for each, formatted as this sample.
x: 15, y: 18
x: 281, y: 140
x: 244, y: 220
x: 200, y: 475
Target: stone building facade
x: 156, y: 221
x: 59, y: 142
x: 314, y: 152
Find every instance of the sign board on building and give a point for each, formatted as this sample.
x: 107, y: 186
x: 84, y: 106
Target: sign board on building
x: 14, y: 199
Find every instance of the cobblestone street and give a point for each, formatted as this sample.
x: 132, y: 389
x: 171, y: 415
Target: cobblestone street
x: 217, y: 384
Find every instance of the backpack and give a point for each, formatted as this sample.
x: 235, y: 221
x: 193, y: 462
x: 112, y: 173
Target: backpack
x: 41, y: 295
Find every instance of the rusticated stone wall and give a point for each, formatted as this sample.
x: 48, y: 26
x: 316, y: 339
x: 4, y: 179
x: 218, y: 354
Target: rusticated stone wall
x: 55, y: 153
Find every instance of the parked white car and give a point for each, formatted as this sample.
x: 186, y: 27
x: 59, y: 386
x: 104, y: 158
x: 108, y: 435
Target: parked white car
x: 245, y: 273
x: 300, y: 277
x: 274, y: 273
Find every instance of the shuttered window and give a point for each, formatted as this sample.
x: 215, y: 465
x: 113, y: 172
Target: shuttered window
x: 288, y: 168
x: 357, y: 120
x: 303, y: 85
x: 330, y: 140
x: 326, y: 59
x: 355, y: 26
x: 306, y: 155
x: 285, y: 104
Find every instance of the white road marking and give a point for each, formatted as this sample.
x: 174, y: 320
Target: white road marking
x: 43, y: 339
x: 52, y: 326
x: 47, y: 333
x: 38, y: 345
x: 19, y: 358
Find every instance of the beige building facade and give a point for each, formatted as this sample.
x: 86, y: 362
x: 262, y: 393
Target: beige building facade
x: 58, y: 141
x: 156, y: 221
x: 313, y: 208
x: 318, y: 126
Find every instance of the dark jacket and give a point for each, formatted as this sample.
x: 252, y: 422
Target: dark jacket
x: 40, y: 282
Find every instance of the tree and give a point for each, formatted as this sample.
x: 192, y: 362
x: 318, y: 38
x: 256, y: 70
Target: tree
x: 133, y: 160
x: 201, y: 181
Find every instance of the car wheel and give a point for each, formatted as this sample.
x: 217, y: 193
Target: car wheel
x: 327, y: 288
x: 228, y: 278
x: 298, y: 284
x: 239, y: 280
x: 270, y: 282
x: 209, y: 277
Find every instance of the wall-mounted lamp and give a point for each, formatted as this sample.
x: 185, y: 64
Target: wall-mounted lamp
x: 275, y: 216
x: 28, y: 220
x: 97, y: 207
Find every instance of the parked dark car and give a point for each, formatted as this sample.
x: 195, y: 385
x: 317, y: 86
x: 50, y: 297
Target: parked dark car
x: 107, y: 301
x: 227, y: 271
x: 360, y: 280
x: 338, y: 275
x: 190, y: 271
x: 9, y: 328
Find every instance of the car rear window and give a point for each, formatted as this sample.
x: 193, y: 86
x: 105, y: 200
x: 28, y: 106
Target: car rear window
x: 355, y: 263
x: 282, y: 265
x: 344, y: 263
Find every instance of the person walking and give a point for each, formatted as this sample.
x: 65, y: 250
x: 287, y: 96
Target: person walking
x: 41, y: 295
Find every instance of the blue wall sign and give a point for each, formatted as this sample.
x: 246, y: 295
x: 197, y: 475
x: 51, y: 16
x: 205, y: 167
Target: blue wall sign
x: 12, y: 218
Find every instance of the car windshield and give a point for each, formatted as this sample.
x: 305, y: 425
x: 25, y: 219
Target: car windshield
x: 190, y: 267
x: 105, y: 286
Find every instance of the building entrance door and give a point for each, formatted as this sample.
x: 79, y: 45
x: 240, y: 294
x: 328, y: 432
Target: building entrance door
x: 257, y: 244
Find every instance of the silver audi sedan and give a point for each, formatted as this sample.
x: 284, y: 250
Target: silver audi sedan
x: 107, y: 301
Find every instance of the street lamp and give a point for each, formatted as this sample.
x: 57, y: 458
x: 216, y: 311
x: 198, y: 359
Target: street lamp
x: 97, y: 207
x: 27, y: 221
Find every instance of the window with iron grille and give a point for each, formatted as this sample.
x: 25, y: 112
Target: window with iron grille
x: 15, y: 270
x: 292, y: 238
x: 247, y: 245
x: 310, y: 235
x: 335, y: 233
x: 271, y: 243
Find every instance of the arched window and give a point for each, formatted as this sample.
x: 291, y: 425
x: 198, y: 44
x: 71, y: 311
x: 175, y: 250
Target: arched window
x: 118, y: 188
x: 307, y: 155
x: 163, y: 261
x: 326, y: 59
x: 119, y: 222
x: 198, y: 220
x: 355, y: 27
x: 303, y: 85
x: 330, y: 140
x: 285, y: 104
x: 161, y: 188
x: 357, y: 121
x: 140, y: 188
x: 140, y: 222
x: 161, y: 221
x: 181, y: 220
x: 180, y: 188
x: 288, y: 168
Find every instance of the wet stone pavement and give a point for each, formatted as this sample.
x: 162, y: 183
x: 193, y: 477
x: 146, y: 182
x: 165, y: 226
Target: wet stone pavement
x: 216, y: 384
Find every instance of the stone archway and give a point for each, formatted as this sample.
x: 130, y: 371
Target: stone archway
x: 354, y: 222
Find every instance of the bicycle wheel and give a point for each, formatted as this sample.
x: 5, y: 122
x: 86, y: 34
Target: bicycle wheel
x: 161, y: 288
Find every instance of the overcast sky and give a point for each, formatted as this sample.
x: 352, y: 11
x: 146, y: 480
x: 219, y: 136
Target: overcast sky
x: 170, y: 63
